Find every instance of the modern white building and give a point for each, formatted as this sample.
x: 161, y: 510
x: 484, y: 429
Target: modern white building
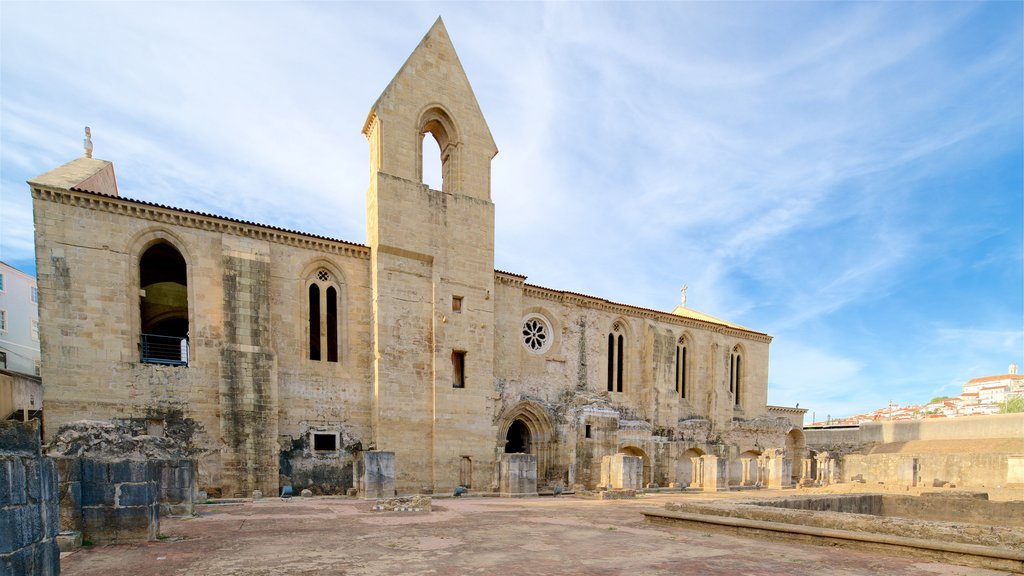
x: 19, y: 321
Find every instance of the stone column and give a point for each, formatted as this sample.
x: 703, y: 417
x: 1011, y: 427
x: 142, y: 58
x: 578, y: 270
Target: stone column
x: 805, y: 475
x: 745, y: 476
x: 696, y: 472
x: 774, y: 461
x: 822, y: 460
x: 715, y: 473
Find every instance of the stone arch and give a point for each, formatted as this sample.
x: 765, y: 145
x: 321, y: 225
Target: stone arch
x: 162, y: 298
x: 744, y: 473
x: 532, y: 429
x: 687, y: 470
x: 796, y: 449
x: 437, y: 121
x: 648, y: 464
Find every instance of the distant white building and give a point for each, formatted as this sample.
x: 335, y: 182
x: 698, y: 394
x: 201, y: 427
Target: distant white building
x: 19, y: 321
x: 995, y: 389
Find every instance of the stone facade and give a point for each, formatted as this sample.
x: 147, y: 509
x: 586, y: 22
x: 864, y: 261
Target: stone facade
x: 298, y: 353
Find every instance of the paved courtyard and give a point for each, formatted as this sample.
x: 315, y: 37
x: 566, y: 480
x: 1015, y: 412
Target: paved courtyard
x: 507, y: 537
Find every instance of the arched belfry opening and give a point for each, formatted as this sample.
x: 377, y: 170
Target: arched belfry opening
x: 438, y: 150
x: 518, y: 438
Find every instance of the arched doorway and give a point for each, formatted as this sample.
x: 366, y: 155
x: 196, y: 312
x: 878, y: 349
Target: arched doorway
x: 795, y: 449
x: 518, y: 438
x: 644, y: 458
x: 526, y: 428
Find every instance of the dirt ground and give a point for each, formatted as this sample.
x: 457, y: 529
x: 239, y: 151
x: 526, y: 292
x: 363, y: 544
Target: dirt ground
x: 506, y: 537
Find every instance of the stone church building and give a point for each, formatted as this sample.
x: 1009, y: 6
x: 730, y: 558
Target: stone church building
x: 281, y: 356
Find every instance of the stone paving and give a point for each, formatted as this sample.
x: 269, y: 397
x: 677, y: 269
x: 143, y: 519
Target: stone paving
x: 533, y: 536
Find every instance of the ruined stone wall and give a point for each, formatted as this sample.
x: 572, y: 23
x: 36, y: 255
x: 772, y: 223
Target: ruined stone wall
x: 28, y: 503
x: 929, y: 469
x: 569, y: 377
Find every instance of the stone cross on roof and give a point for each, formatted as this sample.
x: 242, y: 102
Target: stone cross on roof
x: 682, y: 295
x: 88, y: 142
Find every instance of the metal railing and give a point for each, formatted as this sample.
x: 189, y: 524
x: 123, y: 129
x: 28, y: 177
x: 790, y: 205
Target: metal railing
x: 158, y: 349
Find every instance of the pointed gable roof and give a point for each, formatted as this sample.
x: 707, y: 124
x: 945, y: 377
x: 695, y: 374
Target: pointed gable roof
x: 89, y: 174
x: 431, y: 79
x: 435, y: 47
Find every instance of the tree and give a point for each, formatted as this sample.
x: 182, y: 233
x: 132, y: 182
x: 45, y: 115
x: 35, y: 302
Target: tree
x: 1012, y: 405
x: 937, y: 399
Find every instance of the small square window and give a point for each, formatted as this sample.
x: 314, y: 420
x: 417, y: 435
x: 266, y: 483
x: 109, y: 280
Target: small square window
x: 3, y: 359
x: 587, y: 431
x: 3, y: 320
x: 457, y: 304
x: 458, y: 369
x: 325, y: 442
x: 35, y: 294
x: 1, y: 281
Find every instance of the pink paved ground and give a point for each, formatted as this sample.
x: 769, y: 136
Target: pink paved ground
x: 507, y: 537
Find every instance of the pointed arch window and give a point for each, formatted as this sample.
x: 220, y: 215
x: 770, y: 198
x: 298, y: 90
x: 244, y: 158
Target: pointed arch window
x: 681, y: 367
x: 736, y: 374
x: 616, y: 357
x: 163, y: 306
x: 323, y: 320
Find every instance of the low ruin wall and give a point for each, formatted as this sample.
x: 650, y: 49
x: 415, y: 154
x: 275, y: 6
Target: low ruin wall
x: 28, y: 503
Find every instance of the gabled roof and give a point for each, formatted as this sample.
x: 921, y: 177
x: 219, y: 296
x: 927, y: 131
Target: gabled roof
x: 695, y: 315
x: 88, y: 174
x: 436, y: 46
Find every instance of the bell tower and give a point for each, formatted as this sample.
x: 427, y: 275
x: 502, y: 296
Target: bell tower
x: 432, y: 270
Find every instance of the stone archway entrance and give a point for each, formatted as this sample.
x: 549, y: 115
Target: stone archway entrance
x: 517, y: 439
x: 795, y: 452
x: 644, y: 458
x: 526, y: 428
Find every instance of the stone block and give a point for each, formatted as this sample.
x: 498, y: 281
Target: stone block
x: 69, y: 541
x: 19, y: 491
x: 20, y: 437
x: 517, y: 475
x: 6, y: 465
x: 134, y: 494
x: 33, y: 483
x: 622, y: 471
x: 374, y: 474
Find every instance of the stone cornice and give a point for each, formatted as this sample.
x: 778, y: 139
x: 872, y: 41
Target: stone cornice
x: 585, y: 301
x: 197, y: 220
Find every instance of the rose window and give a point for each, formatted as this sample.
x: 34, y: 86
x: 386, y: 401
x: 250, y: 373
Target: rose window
x: 536, y: 334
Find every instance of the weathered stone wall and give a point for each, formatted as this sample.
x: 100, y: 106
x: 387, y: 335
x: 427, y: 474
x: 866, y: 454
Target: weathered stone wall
x: 246, y: 302
x: 971, y: 451
x: 28, y: 503
x: 965, y: 427
x: 928, y: 469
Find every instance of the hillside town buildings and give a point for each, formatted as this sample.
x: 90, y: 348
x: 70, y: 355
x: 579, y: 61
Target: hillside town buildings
x: 983, y: 395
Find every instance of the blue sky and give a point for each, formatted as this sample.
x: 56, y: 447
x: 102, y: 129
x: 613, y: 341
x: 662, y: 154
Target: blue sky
x: 847, y: 177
